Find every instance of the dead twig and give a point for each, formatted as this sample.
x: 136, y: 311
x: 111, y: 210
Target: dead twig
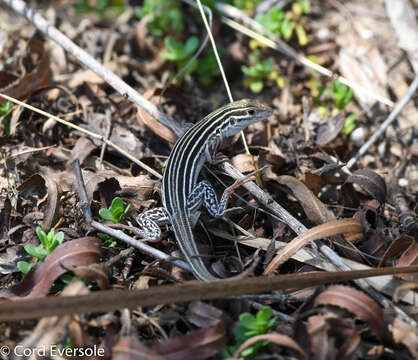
x: 393, y: 115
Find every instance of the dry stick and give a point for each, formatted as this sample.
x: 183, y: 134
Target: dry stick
x: 84, y: 203
x: 274, y: 42
x: 83, y: 57
x: 392, y: 116
x: 102, y: 301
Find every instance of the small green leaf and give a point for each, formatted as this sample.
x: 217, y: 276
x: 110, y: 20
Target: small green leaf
x: 256, y: 86
x: 349, y: 124
x: 58, y: 239
x: 301, y: 34
x: 24, y: 266
x: 5, y: 108
x: 41, y: 236
x: 36, y: 251
x: 264, y: 314
x: 117, y: 203
x: 190, y: 47
x: 248, y: 320
x: 287, y: 28
x: 106, y: 215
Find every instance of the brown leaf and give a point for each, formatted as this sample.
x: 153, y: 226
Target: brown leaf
x: 53, y: 207
x: 199, y: 344
x: 203, y: 315
x: 70, y: 254
x: 81, y: 150
x: 278, y: 339
x: 155, y: 126
x: 330, y: 130
x: 331, y: 228
x: 409, y: 258
x: 332, y: 335
x: 36, y: 185
x: 396, y: 247
x: 314, y: 209
x: 94, y: 272
x: 37, y: 72
x: 371, y: 182
x: 354, y: 301
x: 406, y: 334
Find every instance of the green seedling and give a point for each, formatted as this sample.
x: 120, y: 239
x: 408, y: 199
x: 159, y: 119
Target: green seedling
x: 340, y: 95
x: 250, y: 326
x: 259, y: 71
x: 116, y: 211
x: 166, y: 15
x: 49, y: 243
x: 100, y: 6
x: 115, y: 214
x: 177, y: 51
x: 5, y: 114
x: 286, y: 24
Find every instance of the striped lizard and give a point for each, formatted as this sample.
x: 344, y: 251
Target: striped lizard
x: 182, y: 195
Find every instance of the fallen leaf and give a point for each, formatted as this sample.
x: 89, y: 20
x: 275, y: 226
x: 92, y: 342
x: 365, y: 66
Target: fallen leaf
x: 371, y: 182
x: 330, y: 129
x: 37, y: 72
x: 279, y: 339
x: 405, y: 334
x: 314, y: 208
x: 198, y: 344
x: 409, y: 258
x: 354, y: 301
x: 38, y: 281
x: 331, y: 228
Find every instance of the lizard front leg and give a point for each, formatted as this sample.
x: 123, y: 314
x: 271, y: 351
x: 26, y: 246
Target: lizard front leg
x: 204, y: 193
x: 149, y: 223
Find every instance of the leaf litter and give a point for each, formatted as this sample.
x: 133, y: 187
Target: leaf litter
x: 37, y: 188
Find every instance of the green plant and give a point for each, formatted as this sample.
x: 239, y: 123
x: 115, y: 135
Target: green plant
x: 208, y: 68
x: 341, y: 94
x: 180, y: 53
x: 100, y: 6
x: 250, y: 326
x: 166, y: 15
x: 285, y: 24
x: 116, y: 211
x: 259, y: 71
x: 49, y: 243
x: 5, y: 113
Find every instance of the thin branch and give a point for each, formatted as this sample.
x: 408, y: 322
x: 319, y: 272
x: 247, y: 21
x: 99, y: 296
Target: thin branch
x: 393, y: 115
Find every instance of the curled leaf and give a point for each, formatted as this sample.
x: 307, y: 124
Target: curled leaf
x: 38, y: 281
x: 354, y: 301
x: 371, y: 182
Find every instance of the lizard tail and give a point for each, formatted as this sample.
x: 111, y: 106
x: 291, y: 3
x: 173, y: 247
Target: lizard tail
x: 184, y: 236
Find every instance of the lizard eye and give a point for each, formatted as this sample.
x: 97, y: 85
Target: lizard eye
x: 233, y: 121
x: 251, y: 112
